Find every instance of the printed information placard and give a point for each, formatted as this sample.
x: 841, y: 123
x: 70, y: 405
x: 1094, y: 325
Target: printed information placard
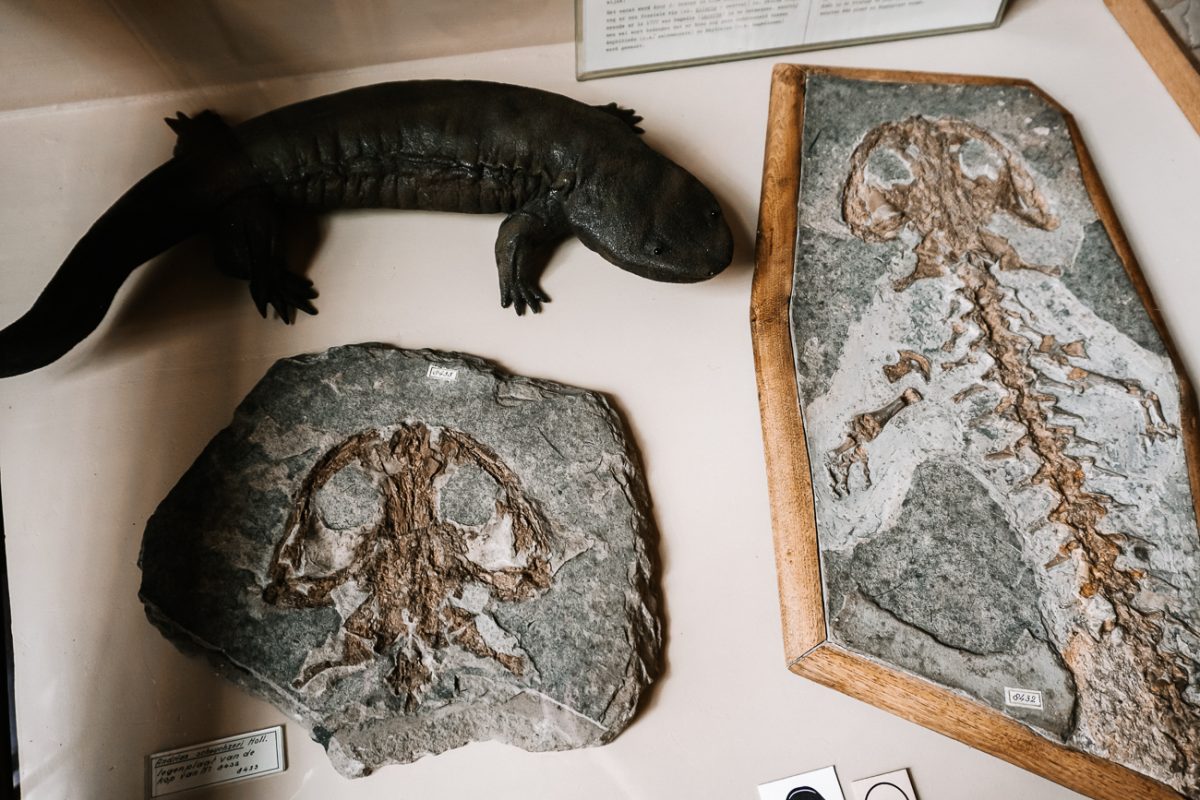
x: 615, y: 36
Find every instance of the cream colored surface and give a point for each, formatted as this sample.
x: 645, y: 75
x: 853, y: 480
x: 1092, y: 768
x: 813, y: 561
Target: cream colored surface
x: 92, y: 443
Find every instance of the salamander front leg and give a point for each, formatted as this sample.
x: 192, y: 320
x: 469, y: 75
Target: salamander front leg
x: 523, y: 238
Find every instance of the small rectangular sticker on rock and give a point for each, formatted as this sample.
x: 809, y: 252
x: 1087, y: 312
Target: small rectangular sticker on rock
x: 234, y: 758
x: 442, y: 373
x: 1022, y: 698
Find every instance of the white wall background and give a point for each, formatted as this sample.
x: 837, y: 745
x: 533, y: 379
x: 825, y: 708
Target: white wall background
x: 57, y: 51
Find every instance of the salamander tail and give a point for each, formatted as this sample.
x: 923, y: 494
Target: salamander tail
x: 144, y: 222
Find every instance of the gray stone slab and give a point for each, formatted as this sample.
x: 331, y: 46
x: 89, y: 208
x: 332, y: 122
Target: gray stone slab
x: 999, y: 474
x: 408, y: 551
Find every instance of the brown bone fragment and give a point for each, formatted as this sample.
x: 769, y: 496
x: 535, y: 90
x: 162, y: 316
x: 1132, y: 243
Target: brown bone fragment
x: 909, y: 361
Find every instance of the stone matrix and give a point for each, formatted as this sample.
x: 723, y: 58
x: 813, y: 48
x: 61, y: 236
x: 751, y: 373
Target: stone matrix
x: 409, y: 550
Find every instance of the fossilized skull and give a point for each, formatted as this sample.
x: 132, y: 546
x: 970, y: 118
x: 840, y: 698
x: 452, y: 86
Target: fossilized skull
x: 946, y: 178
x: 395, y: 529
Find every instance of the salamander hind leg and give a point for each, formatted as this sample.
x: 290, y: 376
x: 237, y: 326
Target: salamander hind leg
x: 246, y: 244
x: 523, y: 240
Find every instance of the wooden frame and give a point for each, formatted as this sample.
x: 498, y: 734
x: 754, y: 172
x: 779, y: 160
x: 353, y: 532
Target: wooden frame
x: 808, y: 650
x: 1162, y: 49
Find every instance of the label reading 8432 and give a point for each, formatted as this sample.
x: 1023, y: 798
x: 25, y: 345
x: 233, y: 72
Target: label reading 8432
x: 1023, y: 698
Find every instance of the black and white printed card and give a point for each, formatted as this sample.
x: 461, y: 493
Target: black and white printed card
x: 889, y: 786
x: 821, y: 784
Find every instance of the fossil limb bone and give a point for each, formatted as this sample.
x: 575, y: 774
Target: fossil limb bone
x: 909, y: 361
x: 864, y: 428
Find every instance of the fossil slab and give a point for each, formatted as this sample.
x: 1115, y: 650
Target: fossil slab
x: 995, y: 436
x: 411, y: 550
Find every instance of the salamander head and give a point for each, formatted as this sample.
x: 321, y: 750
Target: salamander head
x: 652, y: 218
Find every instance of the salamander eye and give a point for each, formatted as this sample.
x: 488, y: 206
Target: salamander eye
x: 714, y: 214
x: 658, y: 251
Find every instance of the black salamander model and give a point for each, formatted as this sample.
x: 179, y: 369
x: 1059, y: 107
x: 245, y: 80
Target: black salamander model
x: 553, y: 165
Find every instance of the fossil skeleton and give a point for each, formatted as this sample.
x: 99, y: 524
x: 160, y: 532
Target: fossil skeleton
x: 948, y: 201
x: 411, y: 564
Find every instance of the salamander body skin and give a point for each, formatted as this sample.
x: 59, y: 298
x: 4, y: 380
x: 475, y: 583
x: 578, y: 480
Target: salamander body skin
x: 554, y: 166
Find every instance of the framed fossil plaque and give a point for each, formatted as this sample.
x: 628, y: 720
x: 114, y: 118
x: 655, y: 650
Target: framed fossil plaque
x: 981, y: 444
x: 1167, y: 32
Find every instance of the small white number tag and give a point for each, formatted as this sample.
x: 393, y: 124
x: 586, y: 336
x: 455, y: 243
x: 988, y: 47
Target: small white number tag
x: 442, y: 373
x: 1024, y: 698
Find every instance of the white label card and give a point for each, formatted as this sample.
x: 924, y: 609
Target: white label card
x: 889, y: 786
x: 234, y: 758
x: 1022, y: 698
x: 621, y: 35
x: 820, y: 784
x: 442, y: 373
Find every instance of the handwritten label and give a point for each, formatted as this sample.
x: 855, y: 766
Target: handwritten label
x: 442, y: 373
x: 234, y: 758
x: 1024, y: 698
